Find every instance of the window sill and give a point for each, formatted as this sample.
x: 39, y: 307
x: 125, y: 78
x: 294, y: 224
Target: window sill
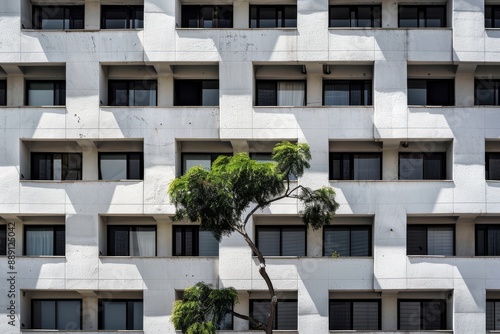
x: 41, y: 256
x: 356, y: 28
x: 156, y: 257
x: 55, y: 30
x: 387, y: 181
x: 428, y: 106
x: 314, y: 107
x: 61, y: 107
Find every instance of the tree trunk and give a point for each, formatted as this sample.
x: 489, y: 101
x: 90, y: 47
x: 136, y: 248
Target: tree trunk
x: 262, y: 271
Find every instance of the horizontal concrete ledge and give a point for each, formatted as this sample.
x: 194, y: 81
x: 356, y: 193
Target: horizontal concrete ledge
x: 391, y: 332
x: 42, y: 331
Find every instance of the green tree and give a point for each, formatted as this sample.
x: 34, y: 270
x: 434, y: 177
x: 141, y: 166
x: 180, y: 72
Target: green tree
x: 223, y: 199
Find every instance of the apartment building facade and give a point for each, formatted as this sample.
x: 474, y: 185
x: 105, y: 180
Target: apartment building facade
x: 104, y: 102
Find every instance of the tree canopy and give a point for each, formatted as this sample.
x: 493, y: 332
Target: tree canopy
x: 223, y: 199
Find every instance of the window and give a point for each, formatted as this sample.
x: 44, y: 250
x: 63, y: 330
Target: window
x: 191, y: 241
x: 126, y: 240
x: 3, y: 92
x: 273, y: 16
x: 492, y: 16
x: 121, y: 166
x: 347, y: 93
x: 42, y: 240
x: 45, y: 93
x: 355, y: 315
x: 120, y: 314
x: 61, y: 314
x: 431, y: 92
x: 355, y: 16
x: 422, y: 16
x: 58, y: 17
x: 196, y: 93
x: 281, y: 240
x: 132, y: 93
x: 355, y: 166
x: 3, y: 239
x: 207, y: 16
x: 430, y: 240
x: 492, y: 166
x: 56, y: 166
x: 487, y: 240
x: 281, y: 93
x: 487, y: 92
x: 285, y: 316
x: 422, y: 166
x: 122, y: 17
x: 421, y: 314
x: 492, y: 315
x: 345, y: 240
x: 199, y: 159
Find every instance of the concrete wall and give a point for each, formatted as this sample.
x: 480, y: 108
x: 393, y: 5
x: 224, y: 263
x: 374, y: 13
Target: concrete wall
x: 388, y: 55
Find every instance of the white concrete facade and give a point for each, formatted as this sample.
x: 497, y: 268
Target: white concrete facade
x: 389, y: 55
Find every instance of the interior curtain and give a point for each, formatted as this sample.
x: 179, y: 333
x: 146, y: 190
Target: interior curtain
x: 337, y: 93
x: 142, y: 242
x: 40, y: 241
x: 291, y: 93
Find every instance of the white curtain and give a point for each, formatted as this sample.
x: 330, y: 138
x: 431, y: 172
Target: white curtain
x: 143, y: 242
x: 291, y: 93
x: 40, y: 241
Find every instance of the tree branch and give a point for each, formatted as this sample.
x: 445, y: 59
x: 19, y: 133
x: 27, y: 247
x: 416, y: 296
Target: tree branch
x: 255, y: 323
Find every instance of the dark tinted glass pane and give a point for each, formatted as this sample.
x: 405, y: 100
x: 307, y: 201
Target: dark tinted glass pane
x: 490, y: 315
x: 225, y: 17
x: 493, y: 166
x: 486, y: 92
x: 135, y: 315
x: 417, y: 92
x: 493, y: 240
x: 488, y: 16
x: 40, y: 93
x: 377, y: 16
x: 416, y: 240
x: 142, y: 93
x: 190, y: 241
x: 433, y: 315
x: 336, y: 93
x: 259, y: 310
x: 440, y: 240
x: 59, y: 240
x: 360, y: 241
x: 112, y: 166
x: 3, y: 239
x: 290, y: 16
x: 76, y: 17
x: 496, y: 17
x: 136, y: 17
x: 365, y: 315
x: 268, y: 17
x: 434, y: 166
x: 68, y: 314
x: 207, y: 16
x: 436, y: 16
x: 253, y: 17
x: 118, y: 93
x: 42, y: 166
x: 188, y: 93
x: 134, y: 166
x: 335, y: 167
x: 293, y: 241
x: 48, y: 17
x: 365, y: 16
x: 210, y: 93
x: 366, y: 166
x: 411, y: 166
x: 481, y: 233
x: 44, y: 314
x: 71, y: 166
x: 113, y: 315
x: 367, y: 93
x: 286, y: 315
x: 266, y: 93
x: 356, y: 93
x: 337, y: 240
x: 208, y: 245
x: 409, y: 315
x: 440, y: 93
x: 118, y: 238
x: 339, y: 16
x: 190, y: 16
x: 3, y: 92
x: 268, y: 241
x: 408, y: 16
x: 340, y: 315
x: 115, y: 17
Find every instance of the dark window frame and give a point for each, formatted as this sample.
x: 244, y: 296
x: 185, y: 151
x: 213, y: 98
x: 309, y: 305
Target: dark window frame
x: 422, y: 301
x: 55, y: 228
x: 131, y: 84
x: 453, y: 226
x: 279, y: 20
x: 69, y: 14
x: 213, y: 157
x: 352, y: 301
x: 360, y: 227
x: 130, y: 228
x: 449, y: 84
x: 276, y: 320
x: 3, y: 239
x: 490, y: 12
x: 141, y: 162
x: 483, y: 250
x: 216, y: 13
x: 493, y: 87
x: 128, y: 312
x: 487, y: 166
x: 195, y: 250
x: 422, y: 15
x: 131, y: 10
x: 494, y: 301
x: 424, y: 155
x: 351, y: 165
x: 35, y: 176
x: 55, y: 315
x: 281, y: 228
x: 59, y: 92
x: 275, y: 82
x: 354, y: 11
x: 362, y: 101
x: 198, y: 91
x: 3, y: 92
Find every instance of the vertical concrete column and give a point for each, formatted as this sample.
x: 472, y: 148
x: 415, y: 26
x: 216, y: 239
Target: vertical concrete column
x: 312, y: 300
x: 165, y: 90
x: 241, y: 14
x: 90, y: 157
x: 465, y: 237
x: 467, y: 19
x: 92, y: 15
x: 464, y: 85
x: 314, y: 85
x: 90, y: 313
x: 15, y: 90
x: 312, y: 38
x: 389, y: 311
x: 243, y: 307
x: 389, y: 14
x: 390, y: 157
